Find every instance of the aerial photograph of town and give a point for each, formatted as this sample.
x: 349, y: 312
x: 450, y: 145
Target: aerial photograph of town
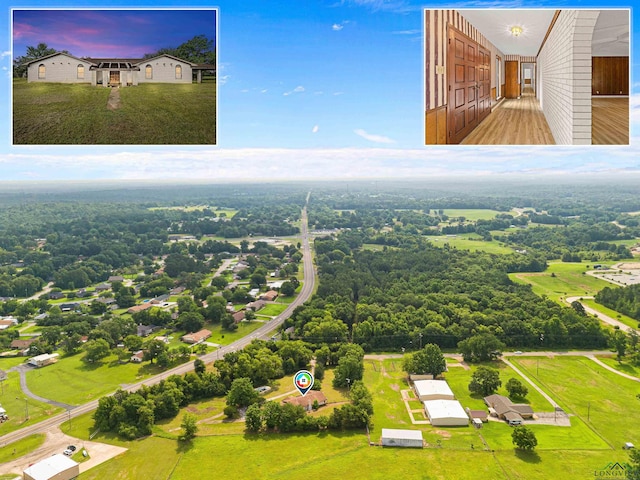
x: 369, y: 239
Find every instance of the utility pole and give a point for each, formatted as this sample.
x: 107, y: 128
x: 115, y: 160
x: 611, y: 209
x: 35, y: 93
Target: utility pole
x: 420, y: 335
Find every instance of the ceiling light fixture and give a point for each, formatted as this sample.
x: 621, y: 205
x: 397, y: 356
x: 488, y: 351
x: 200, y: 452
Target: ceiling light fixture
x: 516, y: 31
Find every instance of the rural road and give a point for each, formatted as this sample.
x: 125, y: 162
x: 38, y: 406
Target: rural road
x: 599, y: 315
x: 262, y: 333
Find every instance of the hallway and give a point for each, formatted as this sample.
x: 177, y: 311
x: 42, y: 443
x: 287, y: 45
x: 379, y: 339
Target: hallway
x: 514, y: 122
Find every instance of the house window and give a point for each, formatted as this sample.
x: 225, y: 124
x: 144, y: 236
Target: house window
x: 80, y: 71
x: 178, y: 71
x: 42, y: 70
x: 148, y: 72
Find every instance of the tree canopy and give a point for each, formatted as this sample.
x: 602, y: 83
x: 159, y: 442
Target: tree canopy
x: 199, y: 49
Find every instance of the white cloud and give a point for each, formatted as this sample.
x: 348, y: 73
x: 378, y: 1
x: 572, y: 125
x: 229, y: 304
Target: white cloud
x: 219, y: 164
x: 315, y: 129
x: 372, y: 137
x: 408, y: 32
x: 223, y: 79
x: 337, y: 27
x: 6, y: 53
x: 264, y: 90
x: 298, y: 89
x: 397, y: 6
x: 338, y: 93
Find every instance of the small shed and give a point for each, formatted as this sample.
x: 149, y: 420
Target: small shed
x: 433, y: 390
x: 392, y: 437
x: 44, y: 359
x: 56, y: 467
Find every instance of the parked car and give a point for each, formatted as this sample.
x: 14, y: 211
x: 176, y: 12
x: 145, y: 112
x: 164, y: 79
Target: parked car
x: 69, y: 451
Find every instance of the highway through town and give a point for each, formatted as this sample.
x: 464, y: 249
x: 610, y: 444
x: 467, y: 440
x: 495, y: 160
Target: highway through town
x: 264, y: 332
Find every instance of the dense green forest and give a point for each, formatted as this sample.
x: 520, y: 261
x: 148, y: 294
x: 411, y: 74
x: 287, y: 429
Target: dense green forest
x: 624, y: 300
x: 405, y: 296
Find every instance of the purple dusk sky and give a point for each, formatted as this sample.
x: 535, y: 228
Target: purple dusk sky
x: 109, y: 33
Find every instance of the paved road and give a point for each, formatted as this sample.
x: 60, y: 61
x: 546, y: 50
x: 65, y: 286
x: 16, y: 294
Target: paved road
x: 22, y: 371
x: 600, y: 315
x: 264, y: 332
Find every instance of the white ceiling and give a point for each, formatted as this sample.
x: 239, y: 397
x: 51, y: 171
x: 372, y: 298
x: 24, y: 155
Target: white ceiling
x: 611, y: 35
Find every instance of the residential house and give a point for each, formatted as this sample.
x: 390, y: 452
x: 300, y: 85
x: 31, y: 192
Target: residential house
x: 308, y: 400
x: 114, y: 72
x: 269, y: 296
x: 137, y: 357
x: 518, y: 76
x: 502, y: 407
x: 22, y: 345
x: 115, y: 278
x: 56, y: 295
x: 103, y: 287
x: 4, y: 324
x: 140, y: 308
x: 255, y: 306
x: 197, y: 337
x: 238, y: 316
x: 144, y: 330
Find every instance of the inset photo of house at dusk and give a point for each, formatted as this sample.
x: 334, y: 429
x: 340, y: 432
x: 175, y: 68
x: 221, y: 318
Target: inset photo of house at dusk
x: 122, y: 77
x: 527, y: 77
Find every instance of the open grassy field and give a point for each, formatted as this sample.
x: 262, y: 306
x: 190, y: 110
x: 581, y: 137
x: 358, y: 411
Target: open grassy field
x: 471, y: 242
x: 272, y: 309
x: 624, y: 366
x: 570, y: 280
x: 574, y: 452
x: 603, y: 400
x: 13, y: 401
x: 472, y: 214
x: 55, y: 113
x: 73, y: 381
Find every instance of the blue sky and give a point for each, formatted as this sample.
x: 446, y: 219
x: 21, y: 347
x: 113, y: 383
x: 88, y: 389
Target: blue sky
x: 109, y: 33
x: 309, y: 89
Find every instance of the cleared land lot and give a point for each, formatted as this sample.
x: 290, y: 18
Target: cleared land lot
x: 589, y: 445
x: 55, y: 113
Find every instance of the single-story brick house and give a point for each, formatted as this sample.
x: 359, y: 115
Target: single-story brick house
x: 199, y: 336
x: 113, y: 72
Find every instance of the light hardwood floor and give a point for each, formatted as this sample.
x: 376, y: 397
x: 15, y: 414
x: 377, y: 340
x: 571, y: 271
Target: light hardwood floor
x: 514, y: 122
x: 610, y: 121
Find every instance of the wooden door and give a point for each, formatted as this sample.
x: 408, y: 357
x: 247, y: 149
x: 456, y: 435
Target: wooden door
x: 462, y: 86
x: 484, y: 83
x: 511, y: 79
x: 114, y: 77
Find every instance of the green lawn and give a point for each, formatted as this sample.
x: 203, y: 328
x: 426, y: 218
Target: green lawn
x: 272, y: 309
x: 225, y: 337
x: 574, y: 452
x: 472, y: 214
x: 623, y: 366
x: 75, y: 382
x: 630, y: 322
x: 153, y: 113
x: 13, y: 401
x: 471, y: 242
x: 21, y: 447
x: 568, y: 281
x: 603, y: 400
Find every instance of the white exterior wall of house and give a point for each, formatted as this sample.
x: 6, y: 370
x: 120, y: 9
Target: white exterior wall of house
x: 60, y: 68
x: 564, y: 77
x: 164, y: 71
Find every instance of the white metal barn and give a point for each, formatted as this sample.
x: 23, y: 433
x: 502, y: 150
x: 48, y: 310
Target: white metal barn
x: 392, y: 437
x: 56, y: 467
x: 446, y: 413
x: 433, y: 390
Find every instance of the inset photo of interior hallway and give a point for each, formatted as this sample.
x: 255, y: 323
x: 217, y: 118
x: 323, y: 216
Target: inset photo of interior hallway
x: 527, y: 77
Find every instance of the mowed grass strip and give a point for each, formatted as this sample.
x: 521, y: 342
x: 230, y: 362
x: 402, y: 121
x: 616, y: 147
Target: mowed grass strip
x: 628, y: 321
x: 56, y: 113
x: 21, y: 447
x: 605, y: 401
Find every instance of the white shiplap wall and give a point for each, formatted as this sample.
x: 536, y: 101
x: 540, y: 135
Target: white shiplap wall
x: 564, y: 65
